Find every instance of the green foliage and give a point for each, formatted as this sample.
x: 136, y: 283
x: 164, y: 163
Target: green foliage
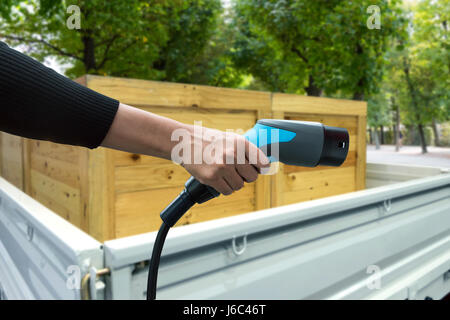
x: 379, y: 111
x: 445, y: 134
x: 418, y: 73
x: 162, y: 40
x: 312, y: 46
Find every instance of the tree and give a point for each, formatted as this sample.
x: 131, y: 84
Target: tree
x: 431, y: 39
x: 425, y: 66
x: 314, y: 46
x: 378, y: 114
x: 162, y: 40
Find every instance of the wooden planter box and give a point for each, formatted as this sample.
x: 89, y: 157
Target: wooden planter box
x: 112, y: 194
x: 294, y: 184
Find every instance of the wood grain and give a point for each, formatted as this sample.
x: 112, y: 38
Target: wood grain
x: 153, y: 93
x: 317, y: 105
x: 12, y: 159
x: 303, y: 186
x: 361, y: 154
x: 138, y: 212
x: 112, y: 194
x: 60, y: 193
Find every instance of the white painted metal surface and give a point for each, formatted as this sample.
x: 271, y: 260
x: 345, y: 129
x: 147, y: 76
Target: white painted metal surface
x: 382, y: 174
x: 387, y: 242
x: 40, y: 253
x: 390, y: 242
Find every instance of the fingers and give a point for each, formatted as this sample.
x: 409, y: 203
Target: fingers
x: 240, y: 161
x: 255, y: 156
x: 223, y: 187
x: 235, y: 174
x: 248, y: 172
x: 234, y: 180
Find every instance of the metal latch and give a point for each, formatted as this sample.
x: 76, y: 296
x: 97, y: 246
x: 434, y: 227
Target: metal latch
x: 90, y: 288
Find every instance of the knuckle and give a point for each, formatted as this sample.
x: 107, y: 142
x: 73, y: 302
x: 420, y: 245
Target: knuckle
x: 252, y: 177
x: 211, y: 176
x: 227, y: 192
x: 221, y: 168
x: 239, y: 185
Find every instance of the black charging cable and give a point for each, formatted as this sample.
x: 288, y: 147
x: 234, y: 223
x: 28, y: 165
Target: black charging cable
x: 194, y: 192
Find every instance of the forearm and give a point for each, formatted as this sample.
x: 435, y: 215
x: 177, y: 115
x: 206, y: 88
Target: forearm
x: 38, y: 103
x: 137, y: 131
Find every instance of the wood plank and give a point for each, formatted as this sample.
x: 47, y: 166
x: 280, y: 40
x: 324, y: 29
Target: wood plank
x: 26, y: 156
x: 138, y: 212
x: 56, y: 151
x: 101, y: 194
x: 361, y: 155
x: 242, y: 201
x: 263, y: 183
x: 149, y: 177
x: 153, y: 93
x: 303, y: 186
x: 83, y: 172
x: 217, y: 119
x: 277, y: 180
x: 317, y: 105
x: 348, y: 122
x: 69, y: 215
x: 12, y: 162
x: 350, y: 161
x: 60, y: 193
x: 122, y: 158
x: 61, y: 171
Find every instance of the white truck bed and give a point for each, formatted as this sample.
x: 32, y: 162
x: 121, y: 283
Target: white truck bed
x: 391, y: 241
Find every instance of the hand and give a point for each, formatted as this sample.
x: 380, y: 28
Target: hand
x: 227, y: 160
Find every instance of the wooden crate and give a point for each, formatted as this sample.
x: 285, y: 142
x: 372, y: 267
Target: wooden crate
x: 295, y: 184
x: 111, y: 194
x: 11, y: 159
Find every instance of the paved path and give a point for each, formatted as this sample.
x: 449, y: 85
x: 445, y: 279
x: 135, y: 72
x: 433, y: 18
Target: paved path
x: 437, y: 157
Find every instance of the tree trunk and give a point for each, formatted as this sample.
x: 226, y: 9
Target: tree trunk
x: 414, y: 100
x: 437, y: 141
x: 377, y: 140
x: 382, y: 134
x: 370, y: 136
x: 359, y: 90
x: 312, y: 89
x: 423, y: 142
x: 358, y: 96
x: 397, y: 128
x: 89, y: 54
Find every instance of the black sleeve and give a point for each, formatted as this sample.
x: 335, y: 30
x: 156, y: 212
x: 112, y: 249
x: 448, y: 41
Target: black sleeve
x: 37, y: 102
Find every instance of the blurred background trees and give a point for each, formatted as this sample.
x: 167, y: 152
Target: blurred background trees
x: 318, y: 48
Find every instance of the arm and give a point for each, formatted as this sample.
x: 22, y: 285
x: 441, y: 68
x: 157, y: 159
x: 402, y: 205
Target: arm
x: 38, y: 103
x: 138, y: 131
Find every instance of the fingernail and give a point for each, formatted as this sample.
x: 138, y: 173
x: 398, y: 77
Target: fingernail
x: 272, y: 169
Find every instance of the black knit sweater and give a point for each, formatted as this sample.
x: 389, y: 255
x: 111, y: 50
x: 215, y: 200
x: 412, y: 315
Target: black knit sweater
x: 37, y: 102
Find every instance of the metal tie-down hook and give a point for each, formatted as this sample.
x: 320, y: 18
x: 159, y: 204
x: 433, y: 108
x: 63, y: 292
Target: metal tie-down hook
x: 237, y: 251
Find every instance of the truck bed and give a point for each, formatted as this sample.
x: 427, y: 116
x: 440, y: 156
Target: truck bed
x: 391, y: 241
